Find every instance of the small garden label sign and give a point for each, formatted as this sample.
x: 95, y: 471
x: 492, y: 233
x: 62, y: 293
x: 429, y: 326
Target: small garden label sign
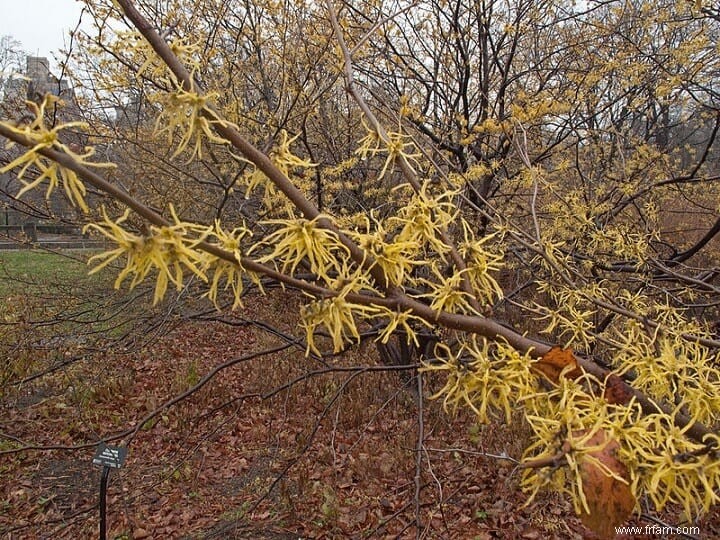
x: 110, y: 456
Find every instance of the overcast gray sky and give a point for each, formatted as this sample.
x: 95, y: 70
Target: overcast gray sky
x: 41, y: 26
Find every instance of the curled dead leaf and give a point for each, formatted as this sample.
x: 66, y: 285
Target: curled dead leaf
x: 609, y: 500
x: 553, y: 362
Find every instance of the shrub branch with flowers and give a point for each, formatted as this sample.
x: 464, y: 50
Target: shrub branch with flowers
x: 616, y: 416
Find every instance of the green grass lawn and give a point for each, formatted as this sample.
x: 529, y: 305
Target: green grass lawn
x: 36, y: 272
x: 46, y: 298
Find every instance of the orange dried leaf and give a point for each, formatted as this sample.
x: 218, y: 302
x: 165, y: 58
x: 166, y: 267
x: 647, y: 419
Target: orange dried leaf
x: 555, y: 361
x: 609, y: 500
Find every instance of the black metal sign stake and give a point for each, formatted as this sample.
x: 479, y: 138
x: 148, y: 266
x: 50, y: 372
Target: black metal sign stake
x: 110, y: 457
x: 103, y: 502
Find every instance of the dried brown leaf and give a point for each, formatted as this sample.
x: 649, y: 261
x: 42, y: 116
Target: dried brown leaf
x: 610, y: 501
x: 555, y: 361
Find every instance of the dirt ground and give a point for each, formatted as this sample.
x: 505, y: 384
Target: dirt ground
x: 275, y: 446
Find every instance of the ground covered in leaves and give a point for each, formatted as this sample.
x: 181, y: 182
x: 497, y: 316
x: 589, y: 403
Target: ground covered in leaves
x: 274, y: 446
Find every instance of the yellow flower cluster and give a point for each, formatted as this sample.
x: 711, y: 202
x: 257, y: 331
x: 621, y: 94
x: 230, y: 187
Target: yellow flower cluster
x: 169, y: 250
x: 671, y: 368
x: 668, y: 466
x: 41, y: 137
x: 661, y: 461
x: 133, y: 46
x: 297, y: 240
x: 231, y: 273
x: 481, y: 264
x: 284, y: 159
x: 187, y: 114
x: 424, y: 216
x: 564, y: 422
x: 396, y: 258
x: 337, y: 314
x: 486, y: 377
x: 397, y: 145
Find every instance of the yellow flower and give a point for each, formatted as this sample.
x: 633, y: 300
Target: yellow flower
x: 301, y: 239
x: 447, y: 295
x: 284, y: 158
x: 424, y: 216
x: 397, y: 145
x: 396, y: 258
x: 188, y: 114
x: 231, y: 272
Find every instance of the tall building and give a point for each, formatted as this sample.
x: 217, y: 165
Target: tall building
x: 37, y: 81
